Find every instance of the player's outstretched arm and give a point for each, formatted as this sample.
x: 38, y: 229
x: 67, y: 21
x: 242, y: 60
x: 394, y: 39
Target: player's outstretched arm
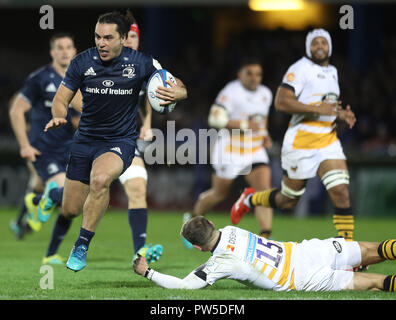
x: 60, y: 106
x: 166, y: 281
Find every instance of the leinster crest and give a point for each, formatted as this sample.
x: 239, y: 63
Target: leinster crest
x: 129, y: 72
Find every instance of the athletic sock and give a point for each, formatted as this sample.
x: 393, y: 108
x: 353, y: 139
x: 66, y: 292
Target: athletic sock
x: 138, y: 223
x: 22, y: 214
x: 56, y: 195
x: 264, y: 198
x: 84, y: 238
x: 265, y: 233
x: 387, y: 249
x: 62, y: 225
x: 390, y: 284
x: 344, y: 223
x: 37, y: 199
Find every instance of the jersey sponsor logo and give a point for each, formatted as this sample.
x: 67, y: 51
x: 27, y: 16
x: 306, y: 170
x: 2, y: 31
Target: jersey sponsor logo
x: 119, y: 92
x: 337, y: 246
x: 90, y: 72
x: 321, y: 76
x: 232, y: 236
x: 51, y: 88
x: 116, y: 149
x: 230, y: 247
x: 290, y: 77
x: 251, y: 246
x: 129, y: 72
x: 108, y: 83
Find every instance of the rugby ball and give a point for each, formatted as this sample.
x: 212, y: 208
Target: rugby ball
x: 157, y: 79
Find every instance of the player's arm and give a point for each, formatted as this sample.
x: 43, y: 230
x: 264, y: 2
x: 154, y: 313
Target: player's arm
x: 175, y: 92
x: 19, y: 106
x: 60, y: 107
x: 192, y: 281
x: 77, y: 101
x: 145, y: 130
x: 286, y: 101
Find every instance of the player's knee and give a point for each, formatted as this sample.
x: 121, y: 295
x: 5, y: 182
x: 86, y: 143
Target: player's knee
x: 70, y: 210
x: 288, y: 197
x: 100, y: 181
x: 136, y: 192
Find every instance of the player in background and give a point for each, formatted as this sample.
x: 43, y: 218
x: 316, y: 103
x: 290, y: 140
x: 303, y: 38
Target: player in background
x: 110, y: 77
x: 310, y: 93
x: 245, y: 102
x: 20, y: 226
x: 311, y: 265
x: 48, y: 152
x: 134, y: 179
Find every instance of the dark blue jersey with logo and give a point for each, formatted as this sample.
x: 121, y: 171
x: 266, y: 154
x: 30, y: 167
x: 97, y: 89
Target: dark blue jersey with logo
x: 39, y: 90
x: 110, y: 92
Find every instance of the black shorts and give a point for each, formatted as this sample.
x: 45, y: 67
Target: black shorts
x: 83, y: 154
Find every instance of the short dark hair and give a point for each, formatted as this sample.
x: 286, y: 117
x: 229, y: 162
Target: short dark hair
x: 60, y: 35
x: 129, y: 18
x: 198, y: 231
x: 118, y: 19
x: 249, y: 61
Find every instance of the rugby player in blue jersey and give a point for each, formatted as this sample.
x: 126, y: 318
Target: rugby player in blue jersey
x: 47, y: 151
x: 110, y: 77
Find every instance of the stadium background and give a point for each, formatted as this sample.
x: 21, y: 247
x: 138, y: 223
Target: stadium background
x: 202, y: 42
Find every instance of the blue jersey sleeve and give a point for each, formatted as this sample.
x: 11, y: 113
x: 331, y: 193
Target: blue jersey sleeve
x: 73, y: 77
x: 31, y: 89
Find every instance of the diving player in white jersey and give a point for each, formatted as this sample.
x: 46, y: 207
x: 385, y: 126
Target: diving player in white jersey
x: 312, y: 265
x: 310, y: 92
x: 244, y: 103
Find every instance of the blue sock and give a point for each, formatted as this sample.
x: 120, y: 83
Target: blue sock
x: 62, y: 225
x: 56, y: 195
x: 85, y: 237
x: 37, y: 199
x: 138, y: 222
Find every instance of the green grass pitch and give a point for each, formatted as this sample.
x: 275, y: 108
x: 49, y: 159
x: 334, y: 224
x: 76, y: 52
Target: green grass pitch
x: 109, y: 275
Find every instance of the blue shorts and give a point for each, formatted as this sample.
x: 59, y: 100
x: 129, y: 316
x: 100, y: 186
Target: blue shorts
x: 83, y: 154
x: 49, y: 164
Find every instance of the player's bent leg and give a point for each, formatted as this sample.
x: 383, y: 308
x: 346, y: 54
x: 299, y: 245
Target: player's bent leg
x: 209, y: 199
x: 335, y: 177
x: 367, y: 281
x: 74, y: 196
x: 260, y: 179
x: 105, y: 169
x: 52, y: 196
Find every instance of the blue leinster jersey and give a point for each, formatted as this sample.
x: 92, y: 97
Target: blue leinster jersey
x: 39, y: 89
x: 110, y: 92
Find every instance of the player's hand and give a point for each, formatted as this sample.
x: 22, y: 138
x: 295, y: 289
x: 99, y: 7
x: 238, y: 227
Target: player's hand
x: 328, y: 109
x: 55, y: 123
x: 140, y: 265
x: 267, y: 142
x: 172, y: 93
x: 29, y: 152
x: 347, y: 115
